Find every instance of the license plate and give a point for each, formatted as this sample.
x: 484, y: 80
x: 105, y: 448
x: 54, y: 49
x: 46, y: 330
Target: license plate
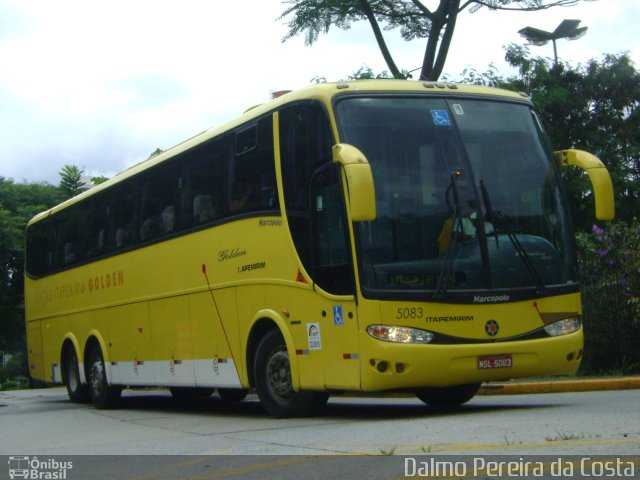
x: 488, y: 362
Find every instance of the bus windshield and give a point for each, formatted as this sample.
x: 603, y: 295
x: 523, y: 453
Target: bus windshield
x: 467, y: 198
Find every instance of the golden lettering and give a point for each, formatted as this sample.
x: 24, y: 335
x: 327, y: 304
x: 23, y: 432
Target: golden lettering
x: 77, y: 288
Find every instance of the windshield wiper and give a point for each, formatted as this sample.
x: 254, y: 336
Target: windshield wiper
x: 456, y: 223
x: 489, y: 209
x: 502, y: 224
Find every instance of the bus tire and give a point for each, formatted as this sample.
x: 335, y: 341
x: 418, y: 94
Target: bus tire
x: 448, y: 396
x: 103, y: 395
x: 232, y: 395
x: 272, y: 375
x: 78, y: 392
x: 191, y: 393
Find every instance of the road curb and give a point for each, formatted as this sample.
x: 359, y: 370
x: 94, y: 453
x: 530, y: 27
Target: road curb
x: 559, y: 386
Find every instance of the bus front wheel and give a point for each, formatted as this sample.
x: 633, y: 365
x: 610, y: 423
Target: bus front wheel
x: 448, y: 396
x: 272, y: 370
x: 103, y: 395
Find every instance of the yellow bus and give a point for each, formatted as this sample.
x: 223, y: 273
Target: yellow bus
x: 358, y: 236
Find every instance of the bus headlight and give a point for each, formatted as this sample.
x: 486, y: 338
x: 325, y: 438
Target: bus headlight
x: 563, y: 327
x: 394, y: 334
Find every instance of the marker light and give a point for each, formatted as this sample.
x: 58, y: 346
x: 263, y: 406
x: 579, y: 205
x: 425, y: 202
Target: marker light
x: 563, y: 327
x: 389, y: 333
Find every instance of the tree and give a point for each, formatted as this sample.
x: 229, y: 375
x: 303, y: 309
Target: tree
x: 157, y: 151
x: 414, y: 19
x: 99, y: 179
x: 71, y: 183
x: 593, y: 107
x: 18, y: 204
x: 366, y: 73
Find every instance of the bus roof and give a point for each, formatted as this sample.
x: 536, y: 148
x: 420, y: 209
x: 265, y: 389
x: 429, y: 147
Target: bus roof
x: 323, y: 91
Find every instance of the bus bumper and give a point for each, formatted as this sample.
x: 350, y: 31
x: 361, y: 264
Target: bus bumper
x: 392, y: 366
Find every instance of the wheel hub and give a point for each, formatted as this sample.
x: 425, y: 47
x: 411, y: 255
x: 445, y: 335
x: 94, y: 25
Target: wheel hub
x: 279, y: 375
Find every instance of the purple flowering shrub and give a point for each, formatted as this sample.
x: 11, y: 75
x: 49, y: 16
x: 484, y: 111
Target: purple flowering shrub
x: 609, y: 268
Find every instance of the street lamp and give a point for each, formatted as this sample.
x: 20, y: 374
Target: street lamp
x: 567, y: 29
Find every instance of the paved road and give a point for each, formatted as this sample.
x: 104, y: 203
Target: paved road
x: 45, y: 423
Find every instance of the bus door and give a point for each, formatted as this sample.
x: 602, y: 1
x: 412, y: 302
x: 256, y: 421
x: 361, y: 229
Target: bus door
x: 333, y: 276
x: 314, y: 205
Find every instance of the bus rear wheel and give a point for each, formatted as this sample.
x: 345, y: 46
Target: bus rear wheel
x: 78, y: 392
x: 103, y: 395
x: 272, y: 373
x: 448, y: 396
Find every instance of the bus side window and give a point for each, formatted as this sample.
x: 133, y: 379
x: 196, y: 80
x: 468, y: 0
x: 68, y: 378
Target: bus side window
x: 69, y: 225
x: 39, y: 248
x: 160, y: 199
x: 253, y: 186
x: 122, y: 216
x: 96, y: 213
x: 208, y: 181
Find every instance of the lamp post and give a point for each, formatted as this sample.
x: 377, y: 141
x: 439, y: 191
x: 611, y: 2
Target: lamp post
x: 567, y: 29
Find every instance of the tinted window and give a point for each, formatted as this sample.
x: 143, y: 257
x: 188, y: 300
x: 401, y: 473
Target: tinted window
x: 122, y: 216
x: 253, y: 185
x: 233, y: 174
x: 208, y: 181
x: 305, y: 144
x: 332, y: 267
x: 161, y: 202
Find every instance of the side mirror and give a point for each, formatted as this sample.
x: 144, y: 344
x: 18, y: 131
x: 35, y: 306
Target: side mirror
x: 599, y: 176
x: 362, y: 195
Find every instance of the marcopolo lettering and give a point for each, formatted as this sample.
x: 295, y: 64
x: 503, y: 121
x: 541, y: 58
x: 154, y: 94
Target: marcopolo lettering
x: 490, y: 298
x: 270, y: 222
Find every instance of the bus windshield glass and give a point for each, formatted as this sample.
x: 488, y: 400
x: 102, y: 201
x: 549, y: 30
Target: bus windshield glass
x: 467, y: 198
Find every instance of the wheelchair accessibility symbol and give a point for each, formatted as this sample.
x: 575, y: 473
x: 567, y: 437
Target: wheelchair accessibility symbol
x: 441, y: 118
x: 338, y: 318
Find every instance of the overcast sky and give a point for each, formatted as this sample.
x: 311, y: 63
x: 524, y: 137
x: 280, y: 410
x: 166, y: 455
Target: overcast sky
x: 101, y: 85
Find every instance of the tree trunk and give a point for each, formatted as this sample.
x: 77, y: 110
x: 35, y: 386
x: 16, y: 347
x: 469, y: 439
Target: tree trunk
x: 434, y: 55
x: 395, y: 71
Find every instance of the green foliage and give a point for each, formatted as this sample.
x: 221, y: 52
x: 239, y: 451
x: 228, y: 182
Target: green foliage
x: 412, y: 18
x: 98, y: 180
x: 317, y: 80
x: 489, y: 78
x: 366, y: 73
x: 157, y: 151
x: 71, y: 183
x: 593, y: 107
x: 18, y: 204
x: 16, y: 374
x: 609, y: 259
